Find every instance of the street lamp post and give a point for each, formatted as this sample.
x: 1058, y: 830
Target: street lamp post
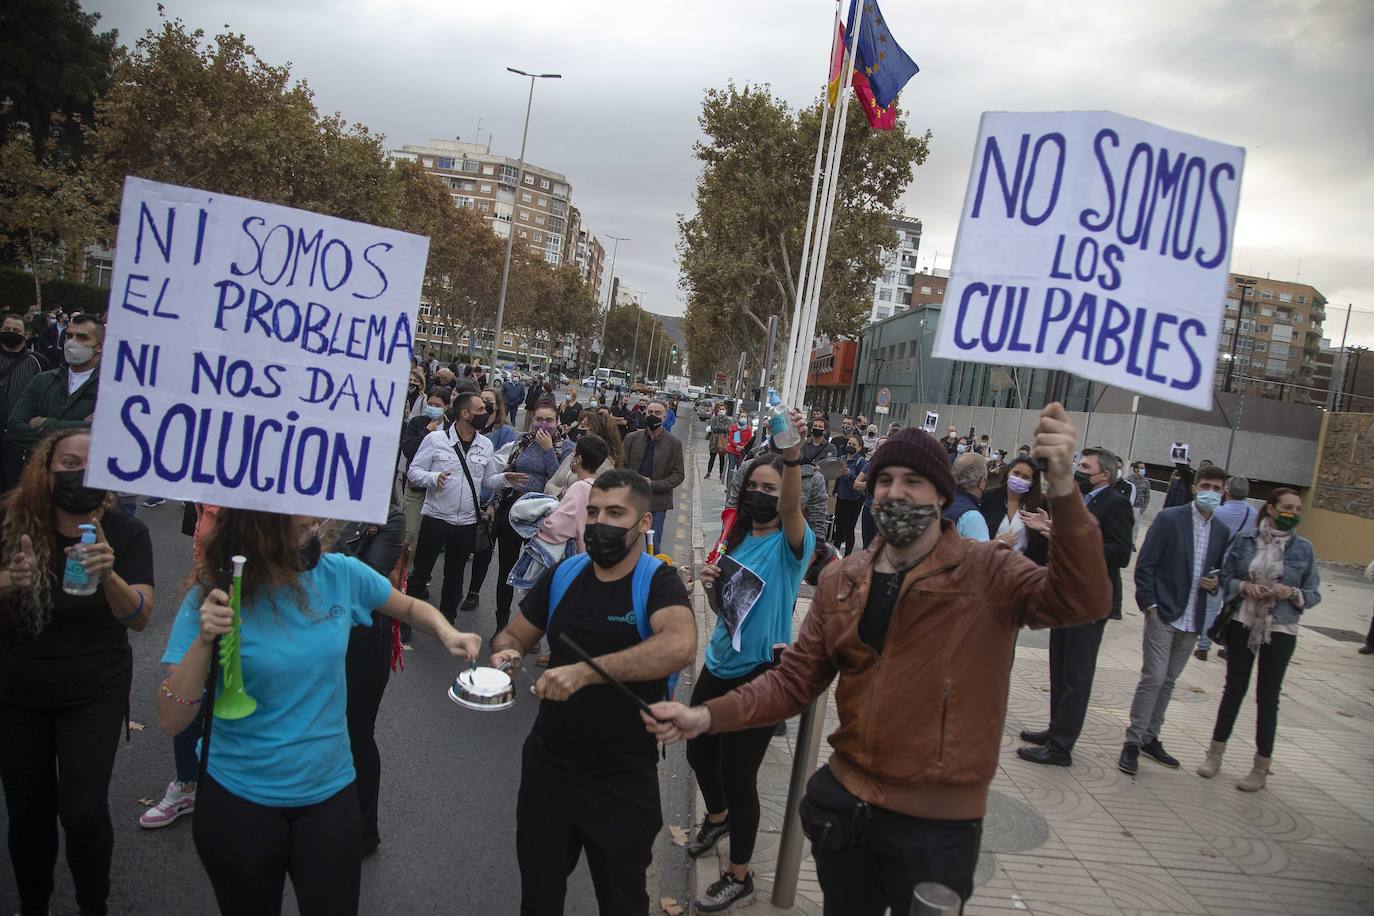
x: 515, y: 203
x: 610, y: 289
x: 634, y: 350
x: 1235, y: 334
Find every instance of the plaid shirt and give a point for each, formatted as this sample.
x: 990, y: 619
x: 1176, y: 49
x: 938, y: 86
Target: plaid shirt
x: 1202, y: 535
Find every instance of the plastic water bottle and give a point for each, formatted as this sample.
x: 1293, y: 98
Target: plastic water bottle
x: 75, y: 580
x: 780, y: 428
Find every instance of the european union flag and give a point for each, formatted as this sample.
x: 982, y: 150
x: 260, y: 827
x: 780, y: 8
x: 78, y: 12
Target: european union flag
x: 877, y: 54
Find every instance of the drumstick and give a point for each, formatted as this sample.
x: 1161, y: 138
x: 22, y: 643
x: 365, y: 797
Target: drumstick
x: 591, y: 663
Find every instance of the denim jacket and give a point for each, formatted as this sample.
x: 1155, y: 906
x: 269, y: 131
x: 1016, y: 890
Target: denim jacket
x: 1299, y: 572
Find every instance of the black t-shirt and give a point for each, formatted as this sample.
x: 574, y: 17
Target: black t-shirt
x: 83, y: 652
x: 597, y: 732
x: 882, y: 599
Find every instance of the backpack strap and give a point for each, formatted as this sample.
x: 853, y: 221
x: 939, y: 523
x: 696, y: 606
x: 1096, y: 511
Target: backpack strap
x: 563, y: 575
x: 639, y: 590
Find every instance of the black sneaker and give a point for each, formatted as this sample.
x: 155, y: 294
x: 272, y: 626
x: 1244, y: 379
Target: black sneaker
x: 152, y: 502
x: 708, y: 835
x: 1129, y: 762
x: 1156, y: 752
x: 725, y: 893
x: 470, y: 602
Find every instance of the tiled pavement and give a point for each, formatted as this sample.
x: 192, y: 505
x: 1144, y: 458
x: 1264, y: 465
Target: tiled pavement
x: 1090, y: 840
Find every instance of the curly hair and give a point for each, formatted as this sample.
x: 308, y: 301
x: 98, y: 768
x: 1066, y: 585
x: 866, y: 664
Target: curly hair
x: 29, y: 510
x: 602, y: 425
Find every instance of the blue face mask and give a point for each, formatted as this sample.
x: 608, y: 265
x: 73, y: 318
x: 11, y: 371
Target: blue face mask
x: 434, y: 413
x: 1207, y: 500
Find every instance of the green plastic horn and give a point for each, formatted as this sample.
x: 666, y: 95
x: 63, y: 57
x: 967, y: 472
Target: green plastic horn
x: 233, y: 702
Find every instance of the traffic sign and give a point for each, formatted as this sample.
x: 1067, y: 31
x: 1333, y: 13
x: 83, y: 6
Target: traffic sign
x: 884, y: 397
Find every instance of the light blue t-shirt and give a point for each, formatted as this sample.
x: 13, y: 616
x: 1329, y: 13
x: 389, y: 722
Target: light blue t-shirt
x: 293, y: 749
x: 774, y: 573
x: 972, y: 525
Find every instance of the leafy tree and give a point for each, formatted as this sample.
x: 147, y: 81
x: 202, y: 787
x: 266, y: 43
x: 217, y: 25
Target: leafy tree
x: 740, y: 251
x: 464, y: 267
x: 53, y: 68
x: 48, y: 214
x: 214, y: 115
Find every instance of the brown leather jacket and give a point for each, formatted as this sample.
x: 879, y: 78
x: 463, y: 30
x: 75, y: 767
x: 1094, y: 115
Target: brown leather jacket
x: 921, y: 724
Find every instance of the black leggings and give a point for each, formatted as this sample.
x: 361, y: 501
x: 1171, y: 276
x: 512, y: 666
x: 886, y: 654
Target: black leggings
x: 56, y: 765
x: 846, y: 517
x: 368, y: 668
x: 727, y: 766
x: 712, y: 463
x: 1273, y: 662
x: 508, y: 547
x: 456, y: 543
x: 248, y: 849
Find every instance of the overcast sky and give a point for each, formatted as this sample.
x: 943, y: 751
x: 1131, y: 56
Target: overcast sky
x: 1291, y: 81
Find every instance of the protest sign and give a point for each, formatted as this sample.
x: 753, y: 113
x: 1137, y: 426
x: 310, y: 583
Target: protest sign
x: 1178, y: 452
x: 1096, y: 244
x: 932, y: 421
x: 255, y: 356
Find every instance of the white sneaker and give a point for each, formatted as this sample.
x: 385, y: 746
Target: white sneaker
x: 174, y: 804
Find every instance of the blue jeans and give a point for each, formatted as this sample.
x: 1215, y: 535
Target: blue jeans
x: 658, y: 531
x: 1213, y: 605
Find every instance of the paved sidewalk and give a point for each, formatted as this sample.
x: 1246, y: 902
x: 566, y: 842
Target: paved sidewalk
x: 1089, y: 839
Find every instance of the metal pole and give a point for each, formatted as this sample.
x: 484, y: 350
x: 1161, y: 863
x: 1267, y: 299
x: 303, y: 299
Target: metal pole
x: 1335, y: 398
x: 515, y: 205
x: 1235, y: 425
x: 634, y: 352
x: 649, y: 355
x: 766, y: 373
x: 610, y: 289
x: 803, y: 765
x: 1235, y: 334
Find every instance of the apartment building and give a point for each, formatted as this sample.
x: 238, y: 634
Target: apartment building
x: 1271, y: 338
x: 892, y: 291
x: 538, y: 208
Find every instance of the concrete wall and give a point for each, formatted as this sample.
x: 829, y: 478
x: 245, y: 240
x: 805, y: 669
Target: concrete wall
x: 1268, y: 456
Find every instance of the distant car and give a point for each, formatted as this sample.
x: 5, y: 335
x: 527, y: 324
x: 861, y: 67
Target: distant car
x: 704, y: 408
x: 588, y: 382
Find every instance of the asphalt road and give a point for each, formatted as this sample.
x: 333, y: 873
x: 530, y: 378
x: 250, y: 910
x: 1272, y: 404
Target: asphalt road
x: 449, y: 781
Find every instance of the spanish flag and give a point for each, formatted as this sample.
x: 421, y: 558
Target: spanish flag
x: 878, y: 118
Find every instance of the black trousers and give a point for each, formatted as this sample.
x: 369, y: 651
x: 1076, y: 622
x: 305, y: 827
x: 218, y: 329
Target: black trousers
x: 557, y: 819
x: 456, y: 543
x: 481, y: 562
x: 367, y: 667
x: 712, y: 463
x: 248, y: 850
x: 1073, y: 663
x: 868, y: 528
x: 55, y: 765
x: 727, y: 766
x: 894, y: 853
x: 846, y: 516
x: 1273, y: 662
x: 508, y: 547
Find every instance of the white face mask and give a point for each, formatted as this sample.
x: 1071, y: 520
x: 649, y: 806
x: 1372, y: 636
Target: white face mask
x: 77, y: 353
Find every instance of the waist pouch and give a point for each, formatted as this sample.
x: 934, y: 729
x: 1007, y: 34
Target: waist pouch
x: 832, y: 817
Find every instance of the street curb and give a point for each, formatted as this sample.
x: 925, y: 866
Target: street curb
x: 697, y: 876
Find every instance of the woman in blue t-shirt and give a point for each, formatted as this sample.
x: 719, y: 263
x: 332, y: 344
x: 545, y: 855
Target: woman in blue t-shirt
x: 752, y: 589
x: 278, y: 791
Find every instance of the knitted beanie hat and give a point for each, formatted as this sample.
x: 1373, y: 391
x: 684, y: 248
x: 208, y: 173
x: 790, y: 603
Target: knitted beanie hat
x: 918, y: 450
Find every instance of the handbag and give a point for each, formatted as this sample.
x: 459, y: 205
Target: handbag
x: 482, y: 537
x: 1224, y: 617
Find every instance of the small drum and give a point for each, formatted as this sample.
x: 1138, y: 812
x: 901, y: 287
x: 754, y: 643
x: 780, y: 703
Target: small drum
x: 484, y: 689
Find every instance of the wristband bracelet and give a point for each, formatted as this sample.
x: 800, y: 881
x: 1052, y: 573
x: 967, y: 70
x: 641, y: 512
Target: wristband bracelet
x: 181, y: 701
x: 137, y: 611
x: 792, y: 464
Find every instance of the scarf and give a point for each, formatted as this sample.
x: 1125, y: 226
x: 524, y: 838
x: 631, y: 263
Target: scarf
x: 1265, y: 569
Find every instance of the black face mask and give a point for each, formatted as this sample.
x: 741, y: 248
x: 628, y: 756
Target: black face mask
x: 758, y: 507
x: 480, y: 421
x: 310, y: 554
x: 652, y: 422
x: 1084, y: 481
x: 852, y: 449
x: 12, y: 338
x: 71, y: 495
x: 607, y: 544
x: 818, y: 433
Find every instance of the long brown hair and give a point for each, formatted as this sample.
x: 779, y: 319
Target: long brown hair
x: 1268, y: 510
x: 740, y: 528
x: 29, y: 510
x: 601, y: 425
x: 266, y: 540
x: 1034, y: 498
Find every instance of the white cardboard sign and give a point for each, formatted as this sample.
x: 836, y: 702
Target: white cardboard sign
x: 1097, y: 244
x: 255, y: 356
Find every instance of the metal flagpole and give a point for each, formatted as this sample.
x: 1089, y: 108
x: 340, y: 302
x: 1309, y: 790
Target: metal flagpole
x: 803, y: 265
x: 808, y: 330
x: 634, y: 351
x: 610, y: 290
